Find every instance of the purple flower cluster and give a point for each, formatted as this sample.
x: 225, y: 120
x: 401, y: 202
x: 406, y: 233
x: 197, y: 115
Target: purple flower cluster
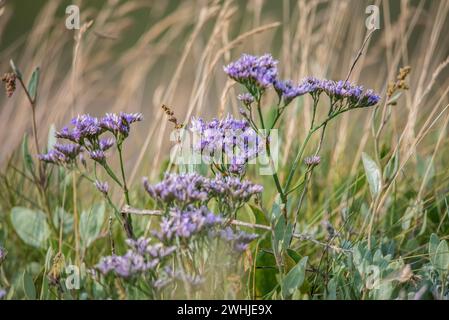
x: 185, y: 224
x: 287, y: 91
x: 103, y: 187
x: 86, y: 133
x: 256, y: 73
x: 180, y: 190
x: 192, y: 280
x: 239, y: 239
x: 119, y: 124
x: 2, y: 293
x: 62, y: 154
x: 246, y: 98
x: 337, y: 90
x: 229, y: 137
x: 191, y: 188
x: 355, y: 95
x: 259, y: 72
x: 140, y: 258
x: 232, y: 190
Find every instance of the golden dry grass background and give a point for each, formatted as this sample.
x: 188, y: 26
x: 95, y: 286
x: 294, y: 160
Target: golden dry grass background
x: 137, y: 55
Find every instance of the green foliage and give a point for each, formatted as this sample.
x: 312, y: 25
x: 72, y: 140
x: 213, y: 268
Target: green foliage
x: 31, y: 226
x: 90, y: 224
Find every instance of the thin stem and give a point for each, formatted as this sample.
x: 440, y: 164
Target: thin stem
x: 122, y: 169
x: 259, y: 111
x: 76, y: 221
x: 112, y: 174
x: 297, y: 159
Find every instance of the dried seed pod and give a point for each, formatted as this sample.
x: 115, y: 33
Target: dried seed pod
x: 10, y: 83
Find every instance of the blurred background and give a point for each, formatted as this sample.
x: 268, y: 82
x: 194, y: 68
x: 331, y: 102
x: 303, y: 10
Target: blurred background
x: 137, y: 55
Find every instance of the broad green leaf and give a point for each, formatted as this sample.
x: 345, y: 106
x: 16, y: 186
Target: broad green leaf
x: 60, y: 215
x: 433, y: 245
x: 442, y: 257
x: 373, y: 174
x: 27, y: 158
x: 28, y: 286
x: 51, y: 137
x: 332, y: 289
x: 31, y: 226
x: 424, y: 224
x: 90, y: 224
x: 294, y: 278
x: 260, y: 216
x: 33, y: 84
x: 392, y: 167
x: 426, y: 170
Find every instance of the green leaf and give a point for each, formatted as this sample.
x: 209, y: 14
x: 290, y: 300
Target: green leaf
x: 442, y: 257
x: 90, y: 224
x: 31, y: 226
x: 27, y: 158
x: 373, y: 174
x: 15, y: 69
x: 294, y: 279
x: 392, y: 166
x: 51, y: 137
x: 33, y: 84
x: 67, y: 220
x: 433, y: 245
x: 28, y: 286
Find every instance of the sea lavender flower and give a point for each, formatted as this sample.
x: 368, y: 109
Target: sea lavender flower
x: 179, y: 189
x: 103, y: 187
x: 193, y: 280
x: 70, y: 150
x: 86, y: 127
x: 106, y: 143
x: 192, y: 188
x: 140, y: 258
x: 354, y: 95
x: 184, y: 224
x: 240, y: 240
x: 256, y: 73
x: 234, y: 191
x: 246, y: 98
x: 370, y: 98
x: 66, y: 133
x: 125, y: 266
x: 312, y: 160
x: 55, y: 157
x: 287, y: 91
x: 311, y: 84
x: 97, y: 155
x: 62, y: 154
x: 119, y: 124
x: 228, y: 139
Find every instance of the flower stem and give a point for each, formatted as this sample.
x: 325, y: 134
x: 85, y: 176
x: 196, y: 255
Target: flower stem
x: 126, y: 217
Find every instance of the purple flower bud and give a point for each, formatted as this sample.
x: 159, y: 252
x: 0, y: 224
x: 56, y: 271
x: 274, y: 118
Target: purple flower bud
x: 103, y: 187
x: 97, y: 155
x: 312, y: 160
x: 106, y: 143
x: 246, y: 98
